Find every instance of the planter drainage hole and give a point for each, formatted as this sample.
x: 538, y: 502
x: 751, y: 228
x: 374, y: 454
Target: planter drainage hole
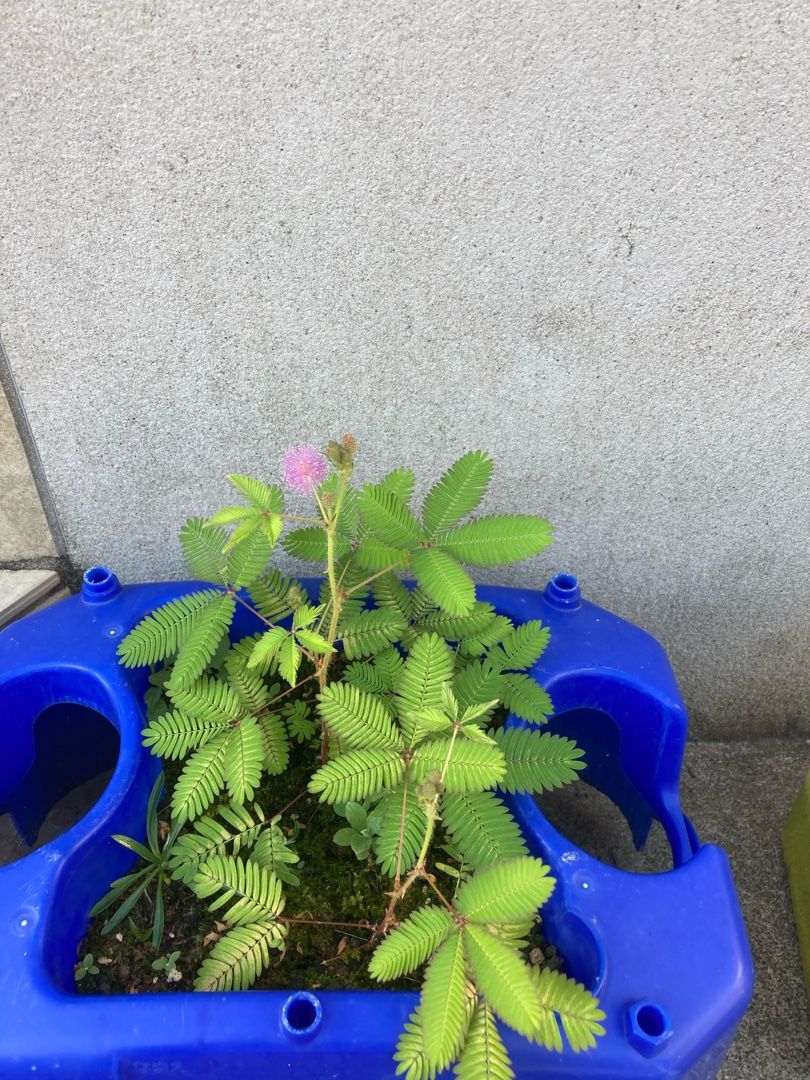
x: 301, y: 1015
x: 75, y: 749
x: 648, y: 1027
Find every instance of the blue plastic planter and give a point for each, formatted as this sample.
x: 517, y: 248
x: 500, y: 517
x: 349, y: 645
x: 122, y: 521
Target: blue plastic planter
x: 666, y: 953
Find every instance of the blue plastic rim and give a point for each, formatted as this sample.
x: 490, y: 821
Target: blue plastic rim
x: 666, y: 953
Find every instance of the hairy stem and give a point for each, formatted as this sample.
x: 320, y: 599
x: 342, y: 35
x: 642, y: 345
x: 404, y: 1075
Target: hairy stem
x: 368, y: 580
x: 336, y: 598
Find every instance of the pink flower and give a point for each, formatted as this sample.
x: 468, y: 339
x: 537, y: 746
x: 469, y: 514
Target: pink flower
x: 303, y: 469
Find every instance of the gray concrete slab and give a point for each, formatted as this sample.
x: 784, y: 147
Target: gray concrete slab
x: 24, y: 532
x: 22, y: 591
x: 573, y: 233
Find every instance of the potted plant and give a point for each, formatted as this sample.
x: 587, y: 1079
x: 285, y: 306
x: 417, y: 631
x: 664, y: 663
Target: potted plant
x: 410, y: 723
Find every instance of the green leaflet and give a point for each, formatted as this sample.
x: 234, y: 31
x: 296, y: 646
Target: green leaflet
x: 247, y: 891
x: 443, y: 1002
x: 263, y: 496
x: 357, y: 774
x: 387, y: 518
x: 201, y: 780
x: 526, y: 698
x: 576, y: 1007
x: 230, y: 826
x: 507, y: 892
x: 386, y: 843
x: 237, y: 959
x: 166, y: 629
x: 209, y: 626
x: 503, y: 979
x: 174, y: 734
x: 444, y: 580
x: 359, y: 720
x: 243, y: 760
x: 537, y: 761
x: 484, y: 1056
x: 458, y: 492
x: 411, y: 944
x: 482, y: 828
x: 400, y: 483
x: 369, y: 632
x: 202, y: 547
x: 493, y: 541
x: 473, y: 766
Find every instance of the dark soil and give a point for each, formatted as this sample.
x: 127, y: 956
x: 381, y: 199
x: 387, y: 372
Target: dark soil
x: 335, y: 887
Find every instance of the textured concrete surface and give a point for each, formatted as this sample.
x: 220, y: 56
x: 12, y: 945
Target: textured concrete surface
x: 738, y: 795
x: 573, y: 233
x: 24, y: 532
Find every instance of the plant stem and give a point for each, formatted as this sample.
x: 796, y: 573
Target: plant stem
x: 308, y: 520
x: 368, y: 580
x: 336, y: 598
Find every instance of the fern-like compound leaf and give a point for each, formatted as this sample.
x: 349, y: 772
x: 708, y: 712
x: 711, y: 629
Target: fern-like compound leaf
x: 174, y: 734
x: 207, y: 699
x: 387, y: 842
x: 473, y: 766
x: 523, y: 647
x: 412, y: 943
x: 444, y: 580
x: 457, y: 492
x: 202, y: 779
x: 400, y: 483
x: 253, y: 892
x: 202, y: 547
x: 275, y: 744
x: 361, y: 721
x: 526, y: 698
x: 243, y: 760
x: 249, y: 687
x: 274, y: 853
x: 208, y: 629
x: 537, y: 761
x: 230, y: 827
x: 444, y: 1002
x: 484, y: 1056
x: 387, y: 518
x: 410, y: 1056
x: 493, y: 541
x: 389, y: 592
x: 577, y: 1009
x: 263, y: 496
x: 502, y: 978
x: 457, y: 627
x: 309, y: 545
x: 356, y: 775
x: 248, y: 556
x: 373, y: 554
x: 506, y: 892
x: 370, y: 632
x: 482, y: 828
x: 165, y: 630
x: 237, y: 959
x: 365, y: 677
x: 476, y: 684
x: 482, y: 642
x: 270, y: 595
x: 419, y: 682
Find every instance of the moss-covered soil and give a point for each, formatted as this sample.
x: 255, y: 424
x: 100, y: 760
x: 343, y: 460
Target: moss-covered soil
x: 335, y: 887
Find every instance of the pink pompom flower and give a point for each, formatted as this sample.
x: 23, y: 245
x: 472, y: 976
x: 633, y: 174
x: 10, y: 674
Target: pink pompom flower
x: 303, y: 469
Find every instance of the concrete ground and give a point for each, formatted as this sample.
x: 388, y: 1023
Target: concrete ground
x: 738, y: 794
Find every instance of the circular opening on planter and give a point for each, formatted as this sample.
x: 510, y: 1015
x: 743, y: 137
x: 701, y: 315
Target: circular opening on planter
x: 652, y: 1020
x: 301, y: 1015
x: 97, y: 575
x: 565, y: 582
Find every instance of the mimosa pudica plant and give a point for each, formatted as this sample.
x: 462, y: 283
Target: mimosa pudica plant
x: 409, y: 681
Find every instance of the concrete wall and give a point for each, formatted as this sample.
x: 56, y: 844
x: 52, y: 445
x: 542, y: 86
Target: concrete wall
x: 573, y: 232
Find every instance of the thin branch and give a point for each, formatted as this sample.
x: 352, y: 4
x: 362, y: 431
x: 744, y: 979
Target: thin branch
x: 368, y: 580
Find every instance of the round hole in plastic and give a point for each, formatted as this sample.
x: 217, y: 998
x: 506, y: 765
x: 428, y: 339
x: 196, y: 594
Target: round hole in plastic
x: 97, y: 575
x: 582, y: 950
x: 565, y: 582
x: 651, y: 1020
x: 301, y: 1015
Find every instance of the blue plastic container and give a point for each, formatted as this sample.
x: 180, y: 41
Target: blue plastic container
x: 666, y: 953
